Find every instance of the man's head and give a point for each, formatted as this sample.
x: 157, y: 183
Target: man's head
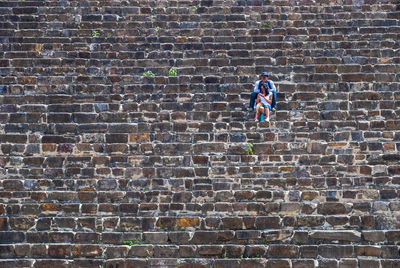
x: 264, y: 76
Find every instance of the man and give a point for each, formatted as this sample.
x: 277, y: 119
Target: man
x: 271, y: 87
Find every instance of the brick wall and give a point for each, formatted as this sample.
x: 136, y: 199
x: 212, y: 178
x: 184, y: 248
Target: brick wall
x: 102, y: 166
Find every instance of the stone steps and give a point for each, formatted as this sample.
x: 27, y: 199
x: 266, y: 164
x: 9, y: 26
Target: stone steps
x: 267, y: 238
x: 279, y: 213
x: 103, y: 167
x: 193, y: 262
x: 273, y: 133
x: 373, y: 188
x: 216, y: 252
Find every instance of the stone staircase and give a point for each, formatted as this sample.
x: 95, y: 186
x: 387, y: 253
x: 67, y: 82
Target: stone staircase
x: 102, y: 166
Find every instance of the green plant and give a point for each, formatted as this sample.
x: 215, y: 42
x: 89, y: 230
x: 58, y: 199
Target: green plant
x: 101, y: 266
x: 148, y: 254
x: 158, y: 28
x: 173, y: 71
x: 249, y: 149
x: 379, y: 140
x: 225, y: 254
x: 96, y: 33
x: 128, y: 242
x: 148, y: 74
x: 138, y: 242
x: 178, y: 261
x: 195, y: 8
x: 267, y: 25
x: 80, y: 26
x: 152, y: 19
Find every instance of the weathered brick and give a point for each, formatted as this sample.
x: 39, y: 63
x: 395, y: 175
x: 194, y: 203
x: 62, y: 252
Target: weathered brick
x: 11, y: 237
x: 13, y: 138
x: 352, y: 236
x: 87, y: 251
x: 267, y: 223
x: 373, y: 236
x: 113, y: 252
x: 204, y: 237
x: 331, y: 208
x: 156, y: 238
x: 278, y: 264
x: 59, y: 251
x: 283, y: 251
x: 232, y: 223
x: 21, y: 223
x: 336, y: 252
x: 208, y: 250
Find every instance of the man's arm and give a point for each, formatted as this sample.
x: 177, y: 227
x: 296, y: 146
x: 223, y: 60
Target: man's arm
x: 271, y: 85
x: 256, y: 87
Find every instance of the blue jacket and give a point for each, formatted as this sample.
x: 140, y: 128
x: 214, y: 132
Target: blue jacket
x: 270, y: 84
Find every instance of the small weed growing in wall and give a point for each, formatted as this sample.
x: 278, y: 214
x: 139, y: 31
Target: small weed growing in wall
x: 128, y: 242
x: 148, y: 74
x: 173, y: 72
x: 267, y: 25
x: 80, y: 26
x: 158, y: 28
x: 249, y: 149
x: 195, y: 8
x: 148, y: 254
x: 96, y: 33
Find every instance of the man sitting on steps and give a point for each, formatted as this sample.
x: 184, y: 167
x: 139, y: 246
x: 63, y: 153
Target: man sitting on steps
x: 271, y: 88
